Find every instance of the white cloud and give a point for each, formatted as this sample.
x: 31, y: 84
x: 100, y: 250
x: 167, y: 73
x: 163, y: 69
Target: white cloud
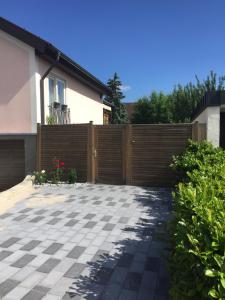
x: 125, y: 88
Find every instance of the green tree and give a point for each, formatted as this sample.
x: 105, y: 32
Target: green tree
x: 153, y: 109
x: 119, y: 112
x: 142, y: 113
x: 184, y: 99
x: 179, y: 105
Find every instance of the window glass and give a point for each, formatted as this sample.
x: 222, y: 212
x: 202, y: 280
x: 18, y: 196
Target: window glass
x: 51, y: 89
x: 61, y: 91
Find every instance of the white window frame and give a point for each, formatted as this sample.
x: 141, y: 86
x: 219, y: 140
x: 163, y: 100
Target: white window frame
x: 56, y: 78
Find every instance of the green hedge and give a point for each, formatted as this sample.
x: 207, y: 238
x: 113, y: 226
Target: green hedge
x: 197, y: 260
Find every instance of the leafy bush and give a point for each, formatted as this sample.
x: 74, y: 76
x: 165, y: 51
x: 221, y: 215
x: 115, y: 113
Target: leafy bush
x: 72, y: 176
x: 56, y: 175
x: 40, y: 177
x: 51, y: 120
x: 198, y: 156
x: 198, y: 227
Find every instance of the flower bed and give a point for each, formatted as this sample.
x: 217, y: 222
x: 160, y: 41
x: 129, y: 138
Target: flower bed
x: 197, y: 262
x: 56, y: 174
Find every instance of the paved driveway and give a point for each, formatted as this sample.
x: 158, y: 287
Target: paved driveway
x: 87, y: 242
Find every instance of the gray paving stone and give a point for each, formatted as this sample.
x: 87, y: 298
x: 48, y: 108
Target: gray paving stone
x: 75, y: 270
x: 111, y: 204
x: 49, y: 265
x: 108, y: 227
x: 72, y: 215
x: 76, y: 252
x: 100, y: 255
x: 97, y: 202
x: 54, y: 221
x: 36, y: 219
x: 111, y: 292
x: 122, y: 200
x: 103, y: 275
x: 119, y: 275
x: 83, y: 201
x: 71, y: 223
x: 4, y: 254
x: 40, y: 212
x: 126, y: 205
x: 7, y: 286
x: 9, y: 242
x: 6, y: 215
x: 53, y: 248
x: 123, y: 220
x: 90, y: 224
x: 133, y: 281
x: 125, y: 260
x: 56, y: 213
x: 23, y: 261
x: 152, y: 264
x: 21, y: 217
x: 71, y: 296
x: 89, y: 216
x: 35, y: 294
x: 31, y: 245
x: 128, y: 295
x: 148, y: 281
x: 106, y: 218
x: 25, y: 210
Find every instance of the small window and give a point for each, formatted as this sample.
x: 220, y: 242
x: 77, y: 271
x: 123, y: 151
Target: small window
x: 56, y: 90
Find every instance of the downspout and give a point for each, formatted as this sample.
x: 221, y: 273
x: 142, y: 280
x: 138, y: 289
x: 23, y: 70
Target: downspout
x: 42, y: 98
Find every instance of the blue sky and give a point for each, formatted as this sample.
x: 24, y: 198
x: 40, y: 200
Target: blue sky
x: 151, y: 44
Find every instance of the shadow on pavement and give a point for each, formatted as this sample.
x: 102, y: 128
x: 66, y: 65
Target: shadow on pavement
x: 136, y: 269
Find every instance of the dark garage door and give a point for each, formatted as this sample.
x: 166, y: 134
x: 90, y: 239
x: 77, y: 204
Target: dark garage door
x: 12, y: 163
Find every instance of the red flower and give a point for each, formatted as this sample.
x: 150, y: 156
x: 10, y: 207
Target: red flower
x: 62, y: 164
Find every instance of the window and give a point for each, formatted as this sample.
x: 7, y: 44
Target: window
x: 56, y: 89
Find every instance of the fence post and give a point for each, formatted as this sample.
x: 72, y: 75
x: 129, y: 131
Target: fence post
x: 195, y: 131
x: 91, y: 153
x: 127, y: 154
x: 38, y: 148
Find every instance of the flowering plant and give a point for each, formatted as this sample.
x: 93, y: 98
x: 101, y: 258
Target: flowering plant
x: 40, y: 177
x: 57, y: 172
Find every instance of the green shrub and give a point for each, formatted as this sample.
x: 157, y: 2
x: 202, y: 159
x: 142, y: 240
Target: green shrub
x: 72, y: 176
x: 198, y: 156
x: 56, y: 174
x: 40, y: 177
x: 197, y: 260
x: 51, y: 120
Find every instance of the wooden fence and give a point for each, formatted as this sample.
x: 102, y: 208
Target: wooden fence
x: 116, y: 154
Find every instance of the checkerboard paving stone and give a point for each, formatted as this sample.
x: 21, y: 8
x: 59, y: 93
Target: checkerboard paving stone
x: 100, y: 243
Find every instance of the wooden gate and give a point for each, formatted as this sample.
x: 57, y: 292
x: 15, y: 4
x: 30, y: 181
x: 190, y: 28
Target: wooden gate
x: 109, y: 154
x: 151, y: 151
x: 12, y: 163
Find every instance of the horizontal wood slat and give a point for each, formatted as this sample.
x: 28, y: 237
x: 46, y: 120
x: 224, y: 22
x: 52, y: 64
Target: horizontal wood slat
x: 152, y: 148
x: 109, y: 155
x: 12, y: 163
x: 115, y: 154
x: 67, y: 143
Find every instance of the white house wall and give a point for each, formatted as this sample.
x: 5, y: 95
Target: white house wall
x: 211, y: 117
x: 84, y: 103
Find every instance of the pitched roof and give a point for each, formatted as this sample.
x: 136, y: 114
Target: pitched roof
x: 49, y: 52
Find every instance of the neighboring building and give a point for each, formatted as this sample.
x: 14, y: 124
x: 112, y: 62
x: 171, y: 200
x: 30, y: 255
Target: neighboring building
x: 211, y: 112
x: 130, y: 109
x: 39, y: 84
